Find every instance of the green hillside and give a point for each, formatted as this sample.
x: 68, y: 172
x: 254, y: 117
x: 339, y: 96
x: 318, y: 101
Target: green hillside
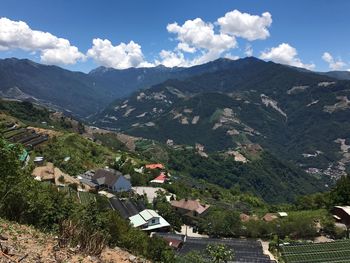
x: 297, y: 115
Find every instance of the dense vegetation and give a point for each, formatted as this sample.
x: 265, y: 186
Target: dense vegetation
x: 25, y: 111
x: 84, y: 154
x: 299, y: 124
x: 267, y: 177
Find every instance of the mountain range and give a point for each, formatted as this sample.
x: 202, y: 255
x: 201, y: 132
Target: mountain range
x: 79, y: 93
x: 224, y: 105
x: 296, y: 114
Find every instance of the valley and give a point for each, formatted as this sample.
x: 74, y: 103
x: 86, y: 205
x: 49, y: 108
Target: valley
x: 257, y: 152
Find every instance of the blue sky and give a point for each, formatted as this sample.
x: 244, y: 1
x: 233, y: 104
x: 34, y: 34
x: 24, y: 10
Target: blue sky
x: 313, y: 34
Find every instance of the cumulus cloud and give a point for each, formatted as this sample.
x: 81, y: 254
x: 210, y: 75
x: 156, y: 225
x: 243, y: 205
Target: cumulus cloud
x: 199, y: 36
x: 208, y: 41
x: 172, y: 59
x: 186, y: 48
x: 120, y: 57
x: 250, y: 27
x: 54, y: 50
x: 285, y: 54
x: 197, y: 42
x: 332, y: 63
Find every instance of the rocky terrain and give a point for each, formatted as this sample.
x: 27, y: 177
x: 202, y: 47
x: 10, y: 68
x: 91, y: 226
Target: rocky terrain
x: 21, y: 243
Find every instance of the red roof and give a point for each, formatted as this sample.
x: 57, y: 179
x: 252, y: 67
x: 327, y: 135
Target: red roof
x: 159, y: 179
x: 155, y: 166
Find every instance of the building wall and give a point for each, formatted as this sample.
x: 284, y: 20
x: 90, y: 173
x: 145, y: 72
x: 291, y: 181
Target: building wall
x: 153, y: 221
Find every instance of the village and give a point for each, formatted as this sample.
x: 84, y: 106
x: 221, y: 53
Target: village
x: 142, y: 204
x: 130, y: 203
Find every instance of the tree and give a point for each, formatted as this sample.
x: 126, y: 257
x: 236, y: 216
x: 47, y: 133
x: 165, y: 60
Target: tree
x: 340, y: 195
x: 191, y: 257
x: 221, y: 223
x: 166, y: 210
x: 219, y: 253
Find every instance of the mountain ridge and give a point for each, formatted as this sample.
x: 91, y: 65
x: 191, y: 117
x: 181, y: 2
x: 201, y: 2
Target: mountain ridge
x: 289, y: 112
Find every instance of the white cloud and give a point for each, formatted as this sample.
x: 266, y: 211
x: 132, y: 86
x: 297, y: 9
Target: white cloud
x: 197, y: 42
x: 198, y: 36
x: 285, y: 54
x: 332, y: 63
x: 248, y: 50
x: 250, y: 27
x: 172, y: 59
x: 54, y: 50
x: 120, y: 57
x: 186, y: 48
x: 208, y: 41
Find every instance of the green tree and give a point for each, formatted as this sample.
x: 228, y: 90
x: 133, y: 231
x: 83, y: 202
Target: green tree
x: 191, y: 257
x: 221, y: 223
x: 219, y: 253
x: 340, y: 195
x: 167, y: 211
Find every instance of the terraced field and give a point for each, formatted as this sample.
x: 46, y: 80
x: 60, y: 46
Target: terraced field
x: 330, y: 252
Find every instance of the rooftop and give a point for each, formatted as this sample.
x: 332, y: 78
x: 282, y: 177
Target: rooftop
x: 159, y: 179
x: 346, y: 209
x: 155, y: 166
x: 106, y: 176
x: 142, y: 218
x: 190, y: 205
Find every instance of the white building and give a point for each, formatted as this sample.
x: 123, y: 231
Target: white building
x: 149, y: 220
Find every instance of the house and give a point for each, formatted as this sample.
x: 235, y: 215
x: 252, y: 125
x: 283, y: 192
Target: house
x: 111, y: 179
x: 87, y: 184
x: 342, y: 214
x: 190, y: 208
x: 159, y: 179
x: 126, y: 207
x: 149, y: 220
x: 269, y: 217
x: 154, y: 166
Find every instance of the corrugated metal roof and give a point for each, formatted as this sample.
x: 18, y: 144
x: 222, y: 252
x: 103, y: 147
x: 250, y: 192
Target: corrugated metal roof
x: 148, y: 214
x: 137, y: 220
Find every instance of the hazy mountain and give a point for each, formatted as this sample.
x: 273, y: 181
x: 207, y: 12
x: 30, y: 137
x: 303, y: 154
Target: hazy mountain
x: 342, y: 75
x: 51, y: 85
x: 84, y: 94
x: 298, y: 115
